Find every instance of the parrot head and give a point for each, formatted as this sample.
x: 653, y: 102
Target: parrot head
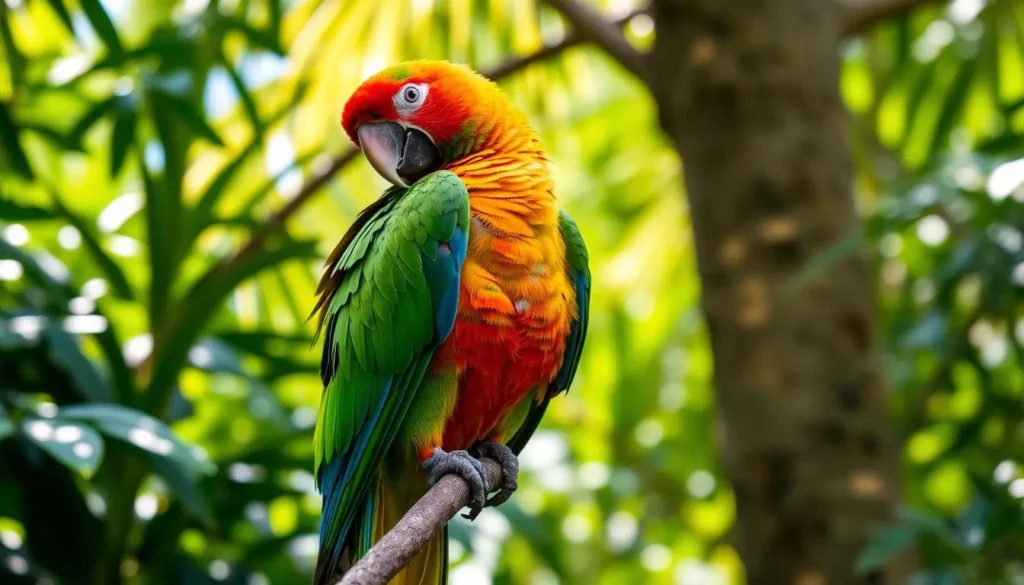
x: 420, y: 116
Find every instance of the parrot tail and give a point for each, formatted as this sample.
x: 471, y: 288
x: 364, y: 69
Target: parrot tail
x: 386, y: 503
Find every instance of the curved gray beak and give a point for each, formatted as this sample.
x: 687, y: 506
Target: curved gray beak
x: 400, y: 155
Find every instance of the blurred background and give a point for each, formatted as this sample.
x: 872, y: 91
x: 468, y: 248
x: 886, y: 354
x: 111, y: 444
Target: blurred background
x: 173, y: 175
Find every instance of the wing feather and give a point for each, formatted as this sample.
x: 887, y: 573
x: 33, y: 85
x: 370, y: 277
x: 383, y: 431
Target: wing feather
x: 379, y: 342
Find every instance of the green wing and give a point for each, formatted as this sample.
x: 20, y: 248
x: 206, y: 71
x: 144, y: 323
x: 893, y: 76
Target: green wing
x: 388, y: 300
x: 578, y: 268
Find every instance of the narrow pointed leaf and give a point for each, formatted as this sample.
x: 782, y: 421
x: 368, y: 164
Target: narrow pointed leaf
x: 104, y: 27
x: 121, y: 138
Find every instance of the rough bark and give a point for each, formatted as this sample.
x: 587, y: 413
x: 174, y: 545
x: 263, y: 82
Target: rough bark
x: 748, y: 91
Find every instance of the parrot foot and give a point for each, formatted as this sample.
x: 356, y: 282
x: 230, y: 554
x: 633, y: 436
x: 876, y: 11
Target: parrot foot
x: 469, y: 468
x: 509, y: 468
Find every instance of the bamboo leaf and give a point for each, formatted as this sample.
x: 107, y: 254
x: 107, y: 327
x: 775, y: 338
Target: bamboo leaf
x: 121, y: 138
x: 104, y: 27
x: 11, y: 145
x: 90, y: 118
x: 188, y: 114
x: 73, y: 444
x: 111, y: 270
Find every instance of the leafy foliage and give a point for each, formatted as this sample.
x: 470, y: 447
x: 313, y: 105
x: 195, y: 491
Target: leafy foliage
x: 157, y: 386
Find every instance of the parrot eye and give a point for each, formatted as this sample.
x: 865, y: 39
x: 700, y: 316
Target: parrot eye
x: 411, y: 96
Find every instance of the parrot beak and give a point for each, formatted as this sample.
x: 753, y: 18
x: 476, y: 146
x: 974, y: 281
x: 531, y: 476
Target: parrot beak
x: 400, y: 155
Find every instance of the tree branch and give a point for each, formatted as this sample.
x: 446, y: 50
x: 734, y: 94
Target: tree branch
x: 861, y: 15
x: 594, y: 27
x: 415, y: 529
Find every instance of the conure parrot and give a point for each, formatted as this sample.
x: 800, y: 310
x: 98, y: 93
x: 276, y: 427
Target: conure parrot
x: 453, y: 309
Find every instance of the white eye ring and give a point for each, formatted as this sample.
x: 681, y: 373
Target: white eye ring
x: 411, y: 96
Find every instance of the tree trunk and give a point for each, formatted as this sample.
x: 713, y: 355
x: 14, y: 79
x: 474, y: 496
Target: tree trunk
x: 748, y: 90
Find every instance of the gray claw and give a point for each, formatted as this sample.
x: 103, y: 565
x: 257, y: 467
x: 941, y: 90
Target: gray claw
x: 509, y: 468
x: 465, y: 466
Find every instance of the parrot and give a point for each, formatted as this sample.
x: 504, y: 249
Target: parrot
x: 452, y: 311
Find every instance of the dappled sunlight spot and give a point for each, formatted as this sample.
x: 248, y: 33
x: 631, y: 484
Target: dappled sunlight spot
x: 219, y: 569
x: 94, y: 288
x: 1005, y: 472
x: 1007, y: 179
x: 672, y: 396
x: 17, y: 564
x: 200, y: 356
x: 304, y: 546
x: 245, y: 473
x: 81, y: 305
x: 594, y: 475
x: 129, y: 567
x: 10, y: 270
x: 1017, y: 488
x: 67, y: 68
x: 935, y: 38
x: 40, y: 430
x: 137, y: 349
x: 146, y: 506
x: 10, y: 539
x: 866, y: 484
x: 146, y: 439
x: 576, y: 527
x: 557, y: 478
x: 124, y: 86
x: 932, y: 230
x: 1018, y: 274
x: 1009, y: 238
x: 258, y: 579
x: 53, y: 267
x: 190, y: 9
x: 124, y: 246
x: 530, y: 499
x: 220, y: 95
x: 621, y: 531
x: 16, y: 234
x: 470, y: 572
x: 279, y: 159
x: 544, y: 576
x: 28, y: 326
x: 964, y: 11
x: 697, y: 572
x: 302, y: 481
x: 256, y: 512
x: 80, y: 324
x: 968, y: 177
x: 641, y: 25
x: 154, y: 157
x: 83, y: 450
x: 890, y: 245
x: 46, y: 409
x: 69, y: 237
x: 640, y: 305
x: 700, y: 484
x: 625, y: 482
x: 545, y: 449
x: 649, y: 433
x: 67, y: 434
x: 656, y: 557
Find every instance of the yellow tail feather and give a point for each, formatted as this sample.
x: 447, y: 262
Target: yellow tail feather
x: 395, y: 495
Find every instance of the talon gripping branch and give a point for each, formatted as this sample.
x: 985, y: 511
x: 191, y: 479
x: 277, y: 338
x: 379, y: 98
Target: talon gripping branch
x: 452, y: 310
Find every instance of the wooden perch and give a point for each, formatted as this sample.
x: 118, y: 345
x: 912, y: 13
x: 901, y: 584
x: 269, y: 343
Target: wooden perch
x: 415, y: 529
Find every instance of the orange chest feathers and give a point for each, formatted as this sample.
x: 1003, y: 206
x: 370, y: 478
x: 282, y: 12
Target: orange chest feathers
x: 516, y: 302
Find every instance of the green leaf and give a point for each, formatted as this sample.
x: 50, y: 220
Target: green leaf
x: 11, y: 145
x: 6, y: 425
x: 111, y: 270
x: 191, y: 117
x: 62, y: 12
x: 953, y: 105
x: 64, y: 350
x: 13, y: 211
x: 121, y: 138
x: 257, y: 37
x: 248, y: 103
x: 185, y: 486
x: 54, y: 137
x: 55, y: 290
x: 104, y: 27
x: 884, y: 546
x: 200, y: 304
x: 90, y: 118
x: 142, y: 431
x: 75, y: 445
